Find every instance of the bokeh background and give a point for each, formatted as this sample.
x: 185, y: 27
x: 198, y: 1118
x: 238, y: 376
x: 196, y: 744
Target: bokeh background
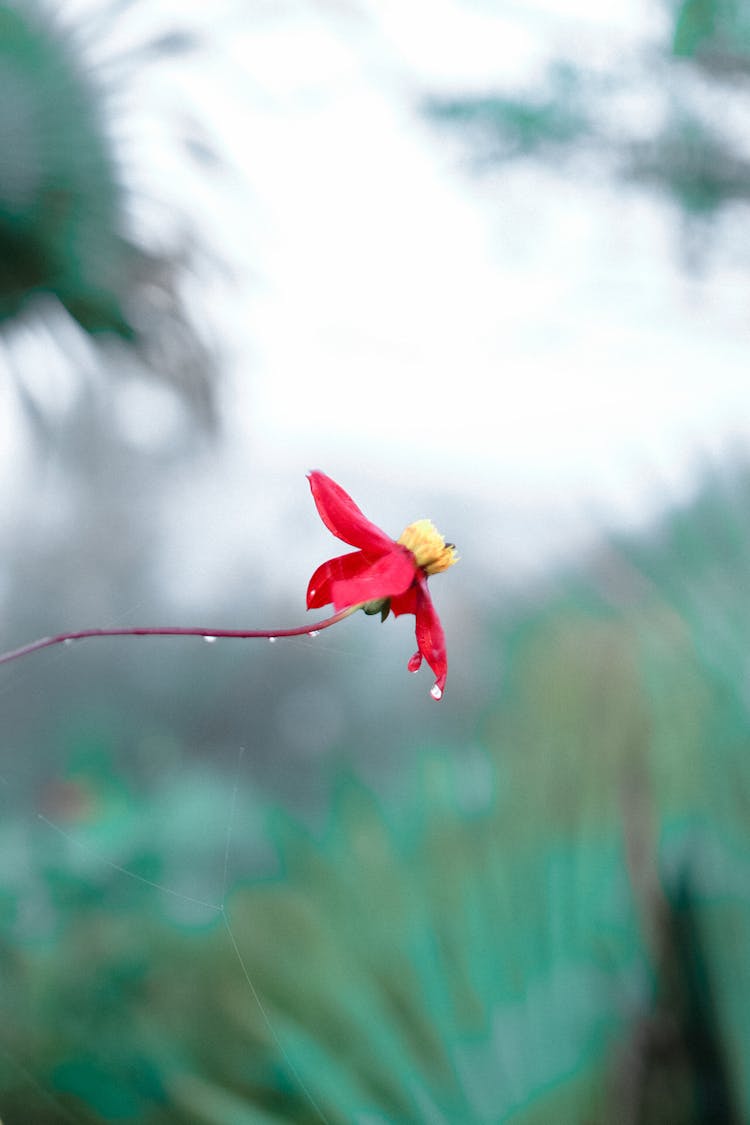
x: 483, y: 262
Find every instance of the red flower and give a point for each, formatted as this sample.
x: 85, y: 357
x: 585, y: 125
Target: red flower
x: 384, y: 575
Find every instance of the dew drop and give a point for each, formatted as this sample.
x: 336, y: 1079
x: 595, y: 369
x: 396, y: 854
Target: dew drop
x: 68, y: 641
x: 272, y: 640
x: 313, y: 633
x: 436, y: 692
x: 209, y: 640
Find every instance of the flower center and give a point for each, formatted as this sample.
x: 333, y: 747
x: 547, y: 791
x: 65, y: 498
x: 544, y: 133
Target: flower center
x: 431, y: 553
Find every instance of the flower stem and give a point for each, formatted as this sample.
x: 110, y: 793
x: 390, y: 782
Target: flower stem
x: 175, y: 631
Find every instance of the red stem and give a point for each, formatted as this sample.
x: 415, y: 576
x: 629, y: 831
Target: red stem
x: 175, y: 631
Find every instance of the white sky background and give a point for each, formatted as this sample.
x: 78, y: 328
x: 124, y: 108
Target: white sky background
x: 521, y: 348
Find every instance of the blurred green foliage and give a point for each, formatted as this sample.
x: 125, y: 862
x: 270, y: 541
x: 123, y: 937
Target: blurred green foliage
x: 549, y: 923
x: 68, y: 240
x: 681, y: 147
x: 713, y: 33
x: 60, y: 199
x: 508, y: 128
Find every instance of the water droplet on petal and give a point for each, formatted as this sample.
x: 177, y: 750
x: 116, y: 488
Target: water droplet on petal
x: 209, y: 640
x: 313, y: 633
x: 436, y: 692
x: 271, y: 640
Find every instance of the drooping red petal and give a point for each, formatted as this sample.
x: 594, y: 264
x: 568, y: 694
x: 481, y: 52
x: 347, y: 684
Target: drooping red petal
x: 386, y: 577
x: 431, y: 638
x: 343, y: 518
x: 406, y: 602
x: 335, y: 570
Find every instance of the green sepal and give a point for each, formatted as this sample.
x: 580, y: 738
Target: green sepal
x: 380, y: 605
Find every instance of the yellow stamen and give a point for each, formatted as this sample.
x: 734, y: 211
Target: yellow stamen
x: 428, y: 546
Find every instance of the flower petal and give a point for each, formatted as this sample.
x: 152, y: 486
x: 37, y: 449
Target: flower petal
x: 405, y: 603
x: 343, y: 518
x: 334, y: 570
x: 387, y: 577
x: 431, y: 638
